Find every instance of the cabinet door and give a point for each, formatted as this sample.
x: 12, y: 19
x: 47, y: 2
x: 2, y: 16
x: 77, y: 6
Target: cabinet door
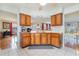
x: 37, y: 38
x: 55, y: 40
x: 28, y: 20
x: 25, y: 41
x: 32, y: 38
x: 43, y: 38
x: 59, y: 19
x: 53, y: 20
x: 0, y: 36
x: 22, y: 20
x: 48, y: 37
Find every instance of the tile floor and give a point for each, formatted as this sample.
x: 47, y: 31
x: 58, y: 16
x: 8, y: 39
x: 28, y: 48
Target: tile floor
x: 13, y: 50
x: 38, y: 52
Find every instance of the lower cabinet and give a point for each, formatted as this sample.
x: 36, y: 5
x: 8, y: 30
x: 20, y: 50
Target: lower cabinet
x: 48, y: 38
x: 55, y: 40
x: 32, y: 38
x: 43, y: 38
x: 37, y: 39
x: 25, y: 41
x: 0, y: 36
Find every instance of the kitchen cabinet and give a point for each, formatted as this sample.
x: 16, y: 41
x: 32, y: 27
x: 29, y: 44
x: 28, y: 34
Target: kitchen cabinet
x: 25, y: 39
x: 56, y: 20
x: 28, y: 20
x: 43, y: 38
x: 59, y: 19
x: 32, y: 38
x: 48, y: 38
x: 28, y: 39
x: 0, y: 35
x: 22, y: 19
x: 25, y: 20
x: 53, y: 20
x: 55, y: 39
x: 37, y: 39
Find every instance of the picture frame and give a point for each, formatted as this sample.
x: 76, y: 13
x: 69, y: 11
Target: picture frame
x: 6, y: 25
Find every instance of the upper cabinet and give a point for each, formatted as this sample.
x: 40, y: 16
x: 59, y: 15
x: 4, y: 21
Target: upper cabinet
x: 22, y: 19
x: 56, y: 20
x: 25, y: 20
x: 59, y: 19
x: 28, y: 20
x: 53, y: 20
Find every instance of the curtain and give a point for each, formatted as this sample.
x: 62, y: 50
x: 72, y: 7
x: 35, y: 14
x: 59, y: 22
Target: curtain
x: 11, y: 29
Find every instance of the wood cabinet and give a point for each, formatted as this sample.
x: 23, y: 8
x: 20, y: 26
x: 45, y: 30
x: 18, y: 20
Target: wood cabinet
x: 55, y: 39
x: 59, y: 19
x: 22, y: 20
x: 25, y: 39
x: 28, y: 20
x: 43, y: 38
x: 25, y: 20
x: 37, y: 39
x: 56, y: 20
x: 0, y: 35
x: 53, y: 20
x: 32, y: 38
x: 48, y: 38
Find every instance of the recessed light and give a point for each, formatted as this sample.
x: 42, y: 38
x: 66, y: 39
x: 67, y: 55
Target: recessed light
x: 43, y: 4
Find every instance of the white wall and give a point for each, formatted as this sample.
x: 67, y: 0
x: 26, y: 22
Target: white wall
x: 7, y: 17
x: 38, y: 20
x: 71, y: 9
x: 0, y: 25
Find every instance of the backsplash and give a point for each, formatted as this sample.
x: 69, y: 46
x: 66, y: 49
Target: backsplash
x: 40, y: 27
x: 24, y: 28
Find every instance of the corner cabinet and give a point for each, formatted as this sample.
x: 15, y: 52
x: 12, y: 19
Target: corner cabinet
x: 56, y: 20
x: 25, y: 39
x: 56, y: 39
x: 25, y: 20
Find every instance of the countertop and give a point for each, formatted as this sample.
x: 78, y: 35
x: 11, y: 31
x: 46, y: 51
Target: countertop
x: 41, y: 32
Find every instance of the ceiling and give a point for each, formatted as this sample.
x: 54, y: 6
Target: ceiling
x: 33, y: 9
x: 72, y: 17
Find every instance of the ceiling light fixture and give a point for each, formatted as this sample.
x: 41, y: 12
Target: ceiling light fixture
x: 43, y: 4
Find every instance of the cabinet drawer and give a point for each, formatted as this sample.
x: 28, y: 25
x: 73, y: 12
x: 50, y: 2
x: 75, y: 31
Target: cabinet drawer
x: 43, y: 34
x: 55, y: 35
x: 26, y: 34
